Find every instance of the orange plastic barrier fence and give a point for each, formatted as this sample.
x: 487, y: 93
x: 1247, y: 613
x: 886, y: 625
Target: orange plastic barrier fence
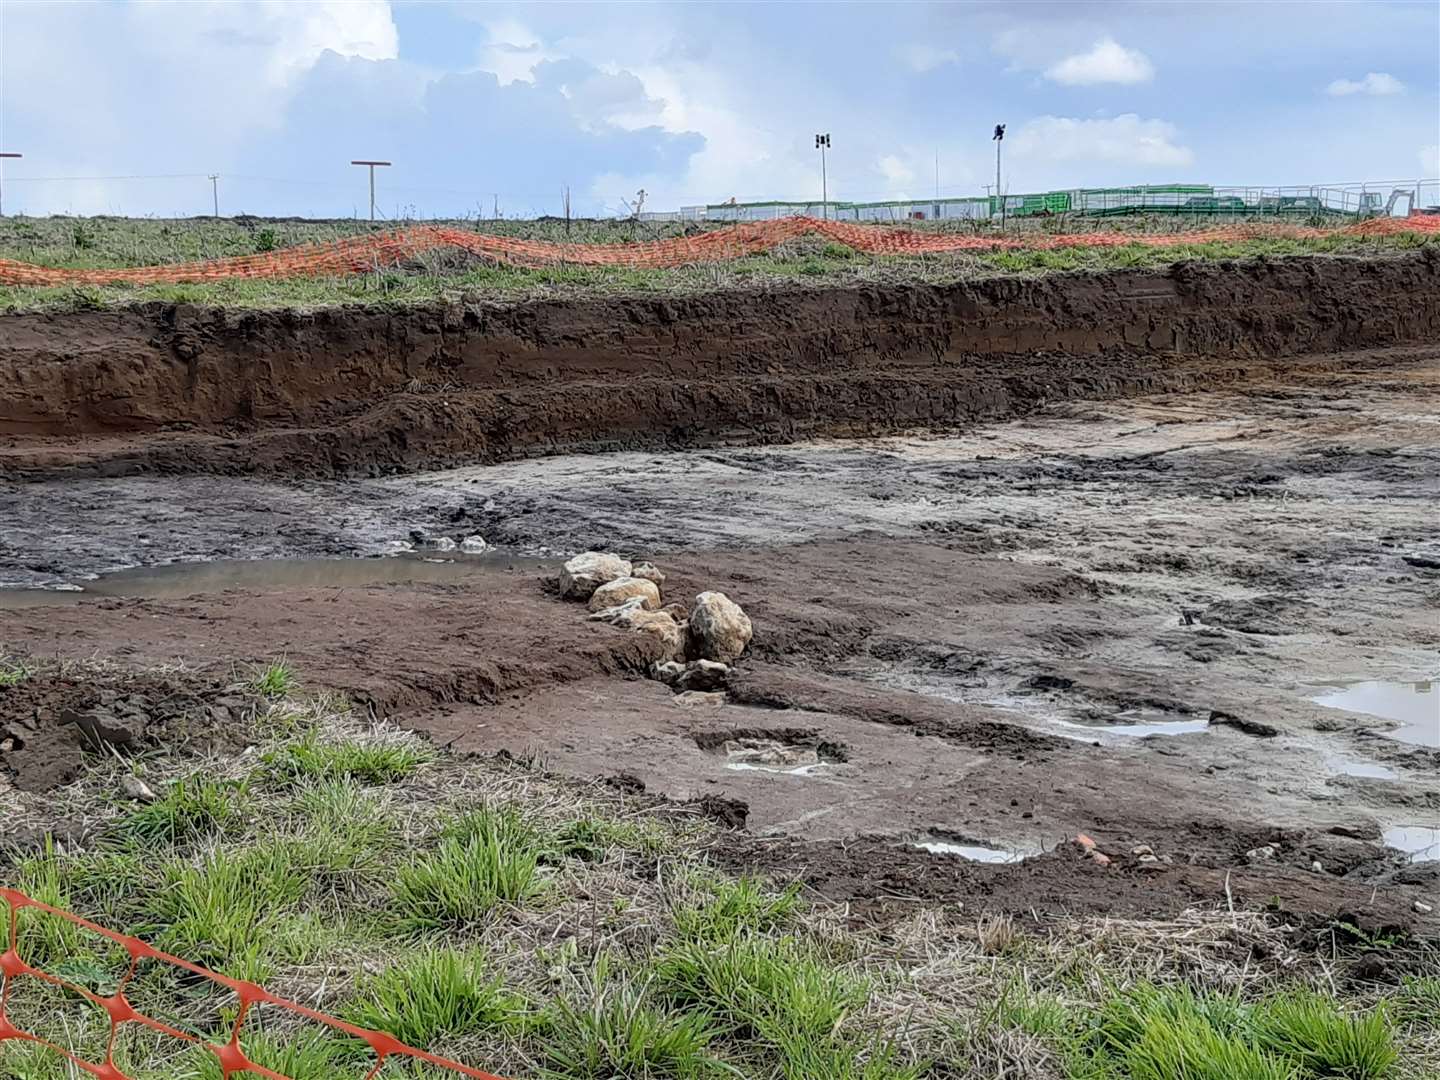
x: 360, y: 254
x: 230, y: 1055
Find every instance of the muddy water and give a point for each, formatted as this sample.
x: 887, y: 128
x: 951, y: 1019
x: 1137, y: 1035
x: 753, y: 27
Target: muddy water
x: 1420, y: 842
x: 938, y: 844
x: 1414, y: 706
x: 268, y: 575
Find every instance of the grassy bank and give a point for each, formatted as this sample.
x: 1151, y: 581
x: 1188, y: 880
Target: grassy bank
x: 541, y: 927
x: 442, y: 276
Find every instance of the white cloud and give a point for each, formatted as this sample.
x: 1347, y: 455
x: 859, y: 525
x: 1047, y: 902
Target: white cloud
x: 1107, y: 62
x: 1375, y: 84
x: 1126, y: 139
x: 1430, y: 161
x: 513, y: 51
x: 894, y: 170
x: 922, y: 58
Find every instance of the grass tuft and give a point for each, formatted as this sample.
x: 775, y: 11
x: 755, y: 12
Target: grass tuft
x: 370, y: 763
x: 735, y: 908
x: 485, y: 859
x: 275, y: 680
x: 435, y: 995
x: 1308, y: 1029
x: 189, y: 809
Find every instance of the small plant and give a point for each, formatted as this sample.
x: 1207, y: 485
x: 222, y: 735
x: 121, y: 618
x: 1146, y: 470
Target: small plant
x: 370, y: 763
x: 13, y: 672
x: 187, y: 810
x: 612, y: 1027
x: 437, y: 995
x: 275, y: 680
x: 486, y: 859
x: 266, y: 240
x: 313, y: 1055
x: 82, y: 236
x: 735, y: 908
x: 1308, y: 1029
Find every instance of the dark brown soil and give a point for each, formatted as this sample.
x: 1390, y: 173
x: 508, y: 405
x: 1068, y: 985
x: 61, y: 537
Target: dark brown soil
x: 172, y: 388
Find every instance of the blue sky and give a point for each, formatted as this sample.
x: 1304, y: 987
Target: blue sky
x: 479, y: 103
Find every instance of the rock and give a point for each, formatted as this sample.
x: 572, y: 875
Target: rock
x: 703, y: 675
x: 582, y: 575
x: 100, y: 728
x: 1249, y: 727
x: 1143, y: 849
x: 631, y: 615
x: 1084, y: 843
x: 474, y: 545
x: 438, y: 543
x: 1099, y: 858
x: 698, y: 699
x: 614, y: 593
x: 1148, y: 858
x: 678, y: 612
x: 718, y: 629
x: 1264, y: 853
x: 667, y: 671
x: 1423, y: 908
x: 135, y: 788
x: 1316, y: 867
x: 648, y: 571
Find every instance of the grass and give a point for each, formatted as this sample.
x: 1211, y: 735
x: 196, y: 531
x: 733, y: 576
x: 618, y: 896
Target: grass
x: 442, y: 277
x: 541, y: 927
x: 13, y: 673
x: 275, y: 680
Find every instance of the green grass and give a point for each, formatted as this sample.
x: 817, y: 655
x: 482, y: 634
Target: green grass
x: 372, y: 763
x: 731, y: 909
x: 1308, y: 1029
x: 275, y: 680
x: 486, y: 859
x: 437, y: 994
x: 188, y: 810
x: 13, y: 672
x: 611, y: 1026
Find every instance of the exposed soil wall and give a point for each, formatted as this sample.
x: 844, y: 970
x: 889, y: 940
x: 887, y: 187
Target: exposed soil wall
x: 173, y: 387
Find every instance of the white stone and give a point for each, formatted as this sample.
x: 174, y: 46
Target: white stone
x: 474, y: 545
x: 439, y: 543
x: 718, y: 629
x: 585, y: 573
x: 613, y: 593
x: 702, y: 675
x: 1423, y: 908
x: 135, y: 788
x: 648, y: 571
x: 699, y: 699
x: 631, y: 615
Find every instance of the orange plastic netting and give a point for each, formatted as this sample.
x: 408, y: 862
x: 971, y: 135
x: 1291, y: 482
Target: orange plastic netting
x: 230, y: 1055
x: 361, y: 254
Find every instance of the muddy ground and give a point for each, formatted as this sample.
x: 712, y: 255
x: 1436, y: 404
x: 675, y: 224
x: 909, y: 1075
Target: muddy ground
x: 1109, y: 617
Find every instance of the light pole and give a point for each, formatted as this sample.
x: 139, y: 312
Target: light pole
x: 372, y: 165
x: 215, y: 192
x: 2, y: 191
x: 822, y: 143
x: 999, y: 138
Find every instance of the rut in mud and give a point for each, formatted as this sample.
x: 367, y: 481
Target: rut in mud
x: 166, y: 388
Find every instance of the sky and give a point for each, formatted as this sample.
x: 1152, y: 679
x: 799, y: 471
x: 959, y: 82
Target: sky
x: 128, y: 106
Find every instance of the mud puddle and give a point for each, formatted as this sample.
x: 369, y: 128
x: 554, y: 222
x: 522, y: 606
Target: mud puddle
x: 1414, y: 706
x: 939, y: 842
x: 1420, y: 842
x: 793, y: 754
x: 176, y: 580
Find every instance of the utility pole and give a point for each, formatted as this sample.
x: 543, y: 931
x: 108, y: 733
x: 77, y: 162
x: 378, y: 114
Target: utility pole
x: 215, y: 192
x: 822, y: 143
x: 2, y: 176
x: 495, y: 207
x: 999, y: 138
x: 372, y: 165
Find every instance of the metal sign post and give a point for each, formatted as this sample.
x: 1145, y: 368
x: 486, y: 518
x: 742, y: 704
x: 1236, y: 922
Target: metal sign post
x: 822, y: 143
x: 999, y: 137
x: 372, y: 165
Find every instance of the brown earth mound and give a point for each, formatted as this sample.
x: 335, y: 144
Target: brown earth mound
x: 178, y: 389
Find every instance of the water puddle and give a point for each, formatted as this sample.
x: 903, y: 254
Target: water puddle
x: 1414, y: 706
x: 176, y: 580
x: 791, y: 752
x: 1142, y: 729
x: 945, y: 844
x: 1367, y: 769
x: 1420, y: 842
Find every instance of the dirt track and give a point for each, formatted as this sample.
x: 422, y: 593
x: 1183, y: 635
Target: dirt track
x: 973, y: 620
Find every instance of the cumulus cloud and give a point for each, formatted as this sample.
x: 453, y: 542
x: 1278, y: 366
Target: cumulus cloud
x: 1126, y: 139
x: 923, y: 58
x: 1375, y: 84
x: 894, y: 170
x: 1107, y: 62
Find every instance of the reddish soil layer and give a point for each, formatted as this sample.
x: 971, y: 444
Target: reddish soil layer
x: 179, y: 389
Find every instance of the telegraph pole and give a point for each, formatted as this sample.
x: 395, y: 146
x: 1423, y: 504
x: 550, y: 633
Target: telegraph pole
x: 999, y: 138
x: 822, y: 143
x: 2, y: 191
x: 372, y: 165
x: 215, y: 192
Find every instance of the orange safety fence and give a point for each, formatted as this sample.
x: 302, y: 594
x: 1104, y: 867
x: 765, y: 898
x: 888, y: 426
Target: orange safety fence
x: 361, y: 254
x: 230, y: 1055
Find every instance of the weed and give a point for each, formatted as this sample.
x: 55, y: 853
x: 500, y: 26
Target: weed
x: 487, y: 858
x: 437, y: 994
x: 734, y: 908
x: 612, y: 1027
x: 276, y: 679
x: 371, y: 763
x: 1308, y: 1029
x: 13, y: 672
x: 187, y: 810
x: 266, y: 240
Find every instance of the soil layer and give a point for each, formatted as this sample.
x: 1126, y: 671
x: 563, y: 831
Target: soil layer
x: 172, y: 388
